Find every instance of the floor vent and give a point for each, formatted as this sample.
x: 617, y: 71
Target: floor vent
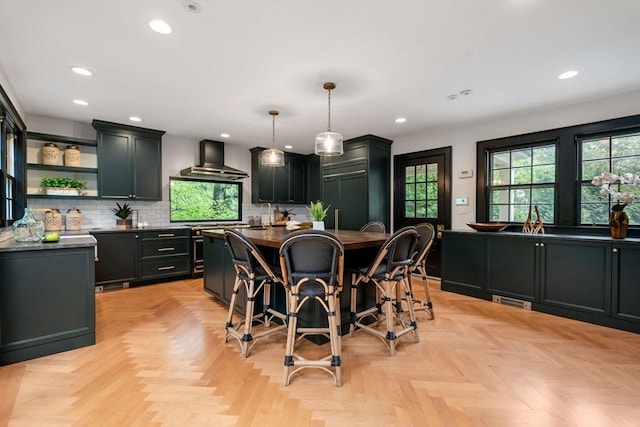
x: 511, y: 302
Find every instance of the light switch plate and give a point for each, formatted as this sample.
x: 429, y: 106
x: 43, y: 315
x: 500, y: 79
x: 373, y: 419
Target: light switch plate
x: 465, y: 173
x: 462, y: 201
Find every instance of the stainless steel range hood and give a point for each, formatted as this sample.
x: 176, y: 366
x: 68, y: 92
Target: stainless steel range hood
x: 212, y: 164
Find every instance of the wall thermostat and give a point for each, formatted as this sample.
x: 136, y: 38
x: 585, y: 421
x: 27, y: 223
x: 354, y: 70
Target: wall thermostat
x: 465, y: 173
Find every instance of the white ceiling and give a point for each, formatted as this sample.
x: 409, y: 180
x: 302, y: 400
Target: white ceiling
x: 222, y: 69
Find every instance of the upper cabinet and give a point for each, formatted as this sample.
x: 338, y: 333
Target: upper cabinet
x: 278, y: 184
x: 357, y: 184
x: 60, y: 157
x: 130, y: 161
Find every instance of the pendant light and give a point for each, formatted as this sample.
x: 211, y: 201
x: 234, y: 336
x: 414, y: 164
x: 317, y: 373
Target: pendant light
x: 329, y: 143
x: 272, y: 156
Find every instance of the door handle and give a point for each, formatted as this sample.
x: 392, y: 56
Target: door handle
x: 440, y: 229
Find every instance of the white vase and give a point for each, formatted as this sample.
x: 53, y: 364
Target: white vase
x: 318, y: 225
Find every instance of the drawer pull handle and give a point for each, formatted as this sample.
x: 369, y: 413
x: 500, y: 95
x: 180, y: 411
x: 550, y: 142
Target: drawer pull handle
x: 615, y: 250
x: 171, y: 267
x: 166, y: 235
x: 166, y: 249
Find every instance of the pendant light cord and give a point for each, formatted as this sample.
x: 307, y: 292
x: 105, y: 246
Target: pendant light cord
x: 329, y: 115
x: 273, y: 125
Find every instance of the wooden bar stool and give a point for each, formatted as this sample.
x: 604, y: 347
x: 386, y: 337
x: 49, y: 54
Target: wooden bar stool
x: 426, y: 234
x: 312, y: 263
x: 388, y: 273
x: 255, y: 275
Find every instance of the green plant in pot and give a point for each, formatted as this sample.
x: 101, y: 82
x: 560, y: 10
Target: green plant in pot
x: 63, y: 186
x: 123, y: 212
x: 318, y: 214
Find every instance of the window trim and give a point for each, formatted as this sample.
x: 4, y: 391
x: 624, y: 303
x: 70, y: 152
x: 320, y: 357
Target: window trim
x: 567, y: 164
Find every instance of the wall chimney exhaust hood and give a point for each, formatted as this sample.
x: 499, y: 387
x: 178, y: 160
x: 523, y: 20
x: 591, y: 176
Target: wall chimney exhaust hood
x: 212, y: 164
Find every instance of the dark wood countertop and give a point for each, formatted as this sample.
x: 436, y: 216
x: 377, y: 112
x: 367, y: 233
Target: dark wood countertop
x: 273, y: 237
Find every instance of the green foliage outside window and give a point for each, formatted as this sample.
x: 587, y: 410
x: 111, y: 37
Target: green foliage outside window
x: 203, y: 201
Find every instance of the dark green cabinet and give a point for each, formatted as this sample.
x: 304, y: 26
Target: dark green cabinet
x: 575, y: 275
x: 127, y: 257
x: 219, y: 273
x: 357, y: 184
x: 625, y: 260
x: 586, y: 278
x: 130, y: 161
x: 47, y: 302
x: 285, y: 184
x: 116, y: 258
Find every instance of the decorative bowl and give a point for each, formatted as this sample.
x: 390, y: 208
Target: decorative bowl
x: 488, y: 226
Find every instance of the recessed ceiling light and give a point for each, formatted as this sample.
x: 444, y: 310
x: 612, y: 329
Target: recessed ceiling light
x: 452, y: 97
x: 225, y: 135
x: 159, y: 26
x: 135, y: 119
x: 568, y: 75
x: 465, y: 92
x: 80, y: 102
x: 400, y: 120
x: 82, y: 71
x: 288, y: 147
x: 192, y: 6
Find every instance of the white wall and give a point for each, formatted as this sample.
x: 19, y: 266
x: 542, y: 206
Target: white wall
x: 6, y: 85
x: 463, y: 139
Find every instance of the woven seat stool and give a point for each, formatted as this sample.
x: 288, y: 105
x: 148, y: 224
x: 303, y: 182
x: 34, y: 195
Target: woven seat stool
x: 426, y: 234
x: 312, y: 263
x: 374, y: 227
x: 255, y: 275
x: 388, y: 273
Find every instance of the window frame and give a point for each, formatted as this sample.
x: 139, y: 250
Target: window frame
x: 9, y: 117
x: 567, y: 165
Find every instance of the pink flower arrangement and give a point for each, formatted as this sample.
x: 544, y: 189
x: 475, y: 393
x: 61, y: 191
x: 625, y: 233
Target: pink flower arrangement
x: 607, y: 179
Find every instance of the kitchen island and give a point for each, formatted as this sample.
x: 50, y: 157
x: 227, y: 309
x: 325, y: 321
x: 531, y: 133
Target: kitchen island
x: 47, y: 297
x: 219, y: 274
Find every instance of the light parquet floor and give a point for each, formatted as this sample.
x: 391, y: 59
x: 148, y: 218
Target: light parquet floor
x: 160, y: 361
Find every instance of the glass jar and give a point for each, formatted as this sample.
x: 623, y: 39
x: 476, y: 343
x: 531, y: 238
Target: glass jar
x: 28, y: 228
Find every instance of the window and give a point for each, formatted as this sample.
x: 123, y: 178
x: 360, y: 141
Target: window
x: 421, y: 191
x: 521, y: 178
x: 12, y: 132
x: 617, y: 153
x: 553, y: 169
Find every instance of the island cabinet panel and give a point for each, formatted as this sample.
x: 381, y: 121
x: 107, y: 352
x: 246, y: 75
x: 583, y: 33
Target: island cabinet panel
x: 576, y: 275
x: 219, y: 273
x: 512, y: 267
x: 626, y: 281
x: 463, y: 264
x: 47, y: 302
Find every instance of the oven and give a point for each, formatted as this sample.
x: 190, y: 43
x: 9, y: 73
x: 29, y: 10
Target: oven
x: 197, y: 249
x: 197, y: 242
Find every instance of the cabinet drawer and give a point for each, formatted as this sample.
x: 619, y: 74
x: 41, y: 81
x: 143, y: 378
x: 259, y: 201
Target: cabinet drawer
x: 173, y: 266
x: 165, y: 234
x: 164, y: 247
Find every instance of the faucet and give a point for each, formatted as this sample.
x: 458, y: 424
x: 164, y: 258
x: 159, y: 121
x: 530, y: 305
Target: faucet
x: 268, y: 224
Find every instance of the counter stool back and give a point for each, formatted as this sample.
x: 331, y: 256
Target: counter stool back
x: 312, y: 263
x: 374, y: 227
x: 388, y: 273
x: 255, y: 275
x: 426, y: 234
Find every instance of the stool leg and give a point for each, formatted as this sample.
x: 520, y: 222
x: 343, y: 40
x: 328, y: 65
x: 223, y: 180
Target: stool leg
x: 387, y: 302
x: 232, y: 304
x: 334, y: 337
x: 248, y: 318
x: 423, y: 273
x: 291, y: 336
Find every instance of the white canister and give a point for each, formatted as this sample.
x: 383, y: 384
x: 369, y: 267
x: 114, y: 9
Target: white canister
x: 52, y: 220
x: 74, y: 220
x: 72, y: 156
x: 50, y: 154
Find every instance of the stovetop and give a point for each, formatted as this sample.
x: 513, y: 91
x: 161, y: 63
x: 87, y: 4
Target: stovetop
x: 218, y: 225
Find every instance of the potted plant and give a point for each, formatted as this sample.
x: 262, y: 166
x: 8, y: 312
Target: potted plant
x: 63, y: 186
x: 611, y: 185
x: 285, y: 214
x: 123, y: 212
x: 318, y: 214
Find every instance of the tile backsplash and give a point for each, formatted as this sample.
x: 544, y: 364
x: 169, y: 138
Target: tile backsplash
x: 97, y: 213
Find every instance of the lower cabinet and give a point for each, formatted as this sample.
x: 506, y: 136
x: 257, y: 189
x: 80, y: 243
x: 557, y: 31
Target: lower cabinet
x: 586, y: 278
x: 47, y: 302
x: 219, y: 273
x: 126, y: 257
